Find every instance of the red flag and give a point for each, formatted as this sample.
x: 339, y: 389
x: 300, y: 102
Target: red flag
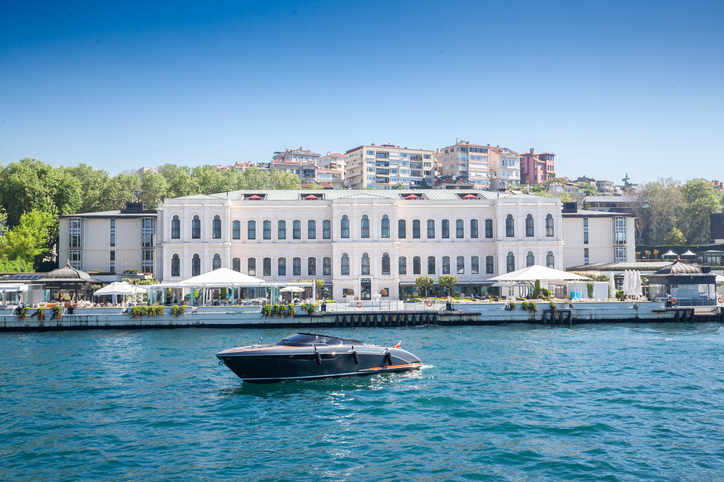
x: 399, y: 344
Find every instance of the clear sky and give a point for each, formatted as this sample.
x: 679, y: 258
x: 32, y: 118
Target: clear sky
x: 610, y: 87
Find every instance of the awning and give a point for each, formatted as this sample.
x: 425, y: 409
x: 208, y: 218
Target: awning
x: 222, y: 277
x: 541, y: 273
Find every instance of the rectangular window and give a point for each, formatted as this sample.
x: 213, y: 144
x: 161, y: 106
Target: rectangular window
x: 147, y: 232
x: 147, y: 261
x: 312, y: 267
x: 445, y: 228
x: 489, y: 267
x: 267, y: 231
x: 113, y: 262
x: 585, y: 230
x: 445, y: 265
x: 619, y: 231
x: 430, y: 228
x: 113, y: 232
x: 459, y: 229
x: 282, y: 267
x: 74, y: 257
x: 475, y: 265
x: 327, y: 266
x: 416, y: 265
x: 251, y: 267
x: 251, y: 230
x: 267, y: 267
x: 431, y: 265
x: 585, y: 256
x: 236, y: 231
x: 236, y: 264
x: 281, y: 230
x: 402, y: 265
x: 327, y: 229
x: 489, y: 228
x: 75, y: 233
x: 473, y: 228
x: 402, y: 229
x: 416, y: 229
x: 619, y: 254
x: 461, y: 265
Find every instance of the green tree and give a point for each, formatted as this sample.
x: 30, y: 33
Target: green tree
x: 120, y: 190
x: 700, y: 200
x: 399, y: 185
x: 28, y: 240
x: 153, y: 189
x: 565, y: 197
x: 93, y: 184
x: 658, y: 207
x: 255, y: 178
x: 285, y: 180
x: 424, y: 282
x: 589, y: 189
x: 319, y: 287
x: 179, y: 182
x: 448, y: 281
x: 675, y: 238
x: 313, y: 185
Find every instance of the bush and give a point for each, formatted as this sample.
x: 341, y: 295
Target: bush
x: 590, y: 289
x: 57, y: 313
x: 178, y: 310
x: 267, y: 310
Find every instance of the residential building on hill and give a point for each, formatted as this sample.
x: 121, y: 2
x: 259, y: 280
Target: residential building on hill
x: 504, y: 168
x: 464, y: 160
x: 537, y: 168
x: 385, y: 166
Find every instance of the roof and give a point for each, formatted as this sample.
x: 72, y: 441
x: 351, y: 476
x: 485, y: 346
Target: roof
x: 610, y: 199
x: 584, y: 213
x: 111, y: 214
x: 391, y: 194
x: 538, y: 272
x: 678, y: 267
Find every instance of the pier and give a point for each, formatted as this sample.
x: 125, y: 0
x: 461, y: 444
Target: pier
x: 420, y: 314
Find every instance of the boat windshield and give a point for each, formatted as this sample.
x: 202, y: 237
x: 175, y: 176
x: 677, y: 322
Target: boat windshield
x: 309, y: 339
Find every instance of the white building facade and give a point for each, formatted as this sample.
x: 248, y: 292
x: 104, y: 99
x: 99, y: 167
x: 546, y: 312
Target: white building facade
x: 465, y: 160
x: 385, y: 166
x: 366, y: 242
x: 594, y: 237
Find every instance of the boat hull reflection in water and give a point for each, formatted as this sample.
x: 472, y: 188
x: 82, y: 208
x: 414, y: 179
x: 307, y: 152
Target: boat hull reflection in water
x: 310, y: 356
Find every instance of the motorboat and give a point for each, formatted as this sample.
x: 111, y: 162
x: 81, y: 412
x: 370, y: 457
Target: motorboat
x: 310, y: 356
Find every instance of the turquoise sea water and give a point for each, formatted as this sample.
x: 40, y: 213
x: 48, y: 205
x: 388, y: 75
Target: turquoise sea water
x: 531, y: 403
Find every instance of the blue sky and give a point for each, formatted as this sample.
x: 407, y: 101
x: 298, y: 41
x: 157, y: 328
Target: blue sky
x: 609, y: 87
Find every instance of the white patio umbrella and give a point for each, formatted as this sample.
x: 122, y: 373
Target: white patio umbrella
x: 537, y: 272
x: 612, y: 284
x: 639, y: 290
x: 688, y: 253
x: 669, y: 253
x: 292, y: 289
x: 115, y: 289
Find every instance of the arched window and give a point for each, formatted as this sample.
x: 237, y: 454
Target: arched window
x: 430, y: 228
x: 282, y: 267
x: 549, y: 225
x: 550, y: 260
x: 216, y: 228
x: 195, y: 265
x: 385, y: 263
x: 344, y: 265
x: 488, y: 228
x: 251, y: 267
x: 196, y: 228
x: 475, y: 265
x: 529, y: 259
x: 296, y: 266
x: 365, y: 264
x: 510, y: 262
x: 327, y: 229
x: 266, y: 267
x: 327, y: 266
x: 176, y: 228
x: 401, y: 229
x: 236, y: 264
x: 509, y: 226
x: 267, y: 230
x: 402, y: 262
x: 529, y: 230
x: 236, y: 229
x: 296, y: 229
x: 385, y: 226
x: 461, y: 265
x: 473, y: 228
x: 489, y: 265
x: 445, y: 264
x: 175, y: 265
x: 251, y: 230
x: 281, y: 229
x: 445, y: 228
x: 312, y: 267
x: 311, y: 229
x: 216, y: 262
x: 416, y: 265
x: 431, y: 265
x: 345, y: 226
x: 459, y: 229
x: 365, y: 226
x: 416, y: 228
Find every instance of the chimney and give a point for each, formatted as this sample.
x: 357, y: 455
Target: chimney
x: 531, y: 151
